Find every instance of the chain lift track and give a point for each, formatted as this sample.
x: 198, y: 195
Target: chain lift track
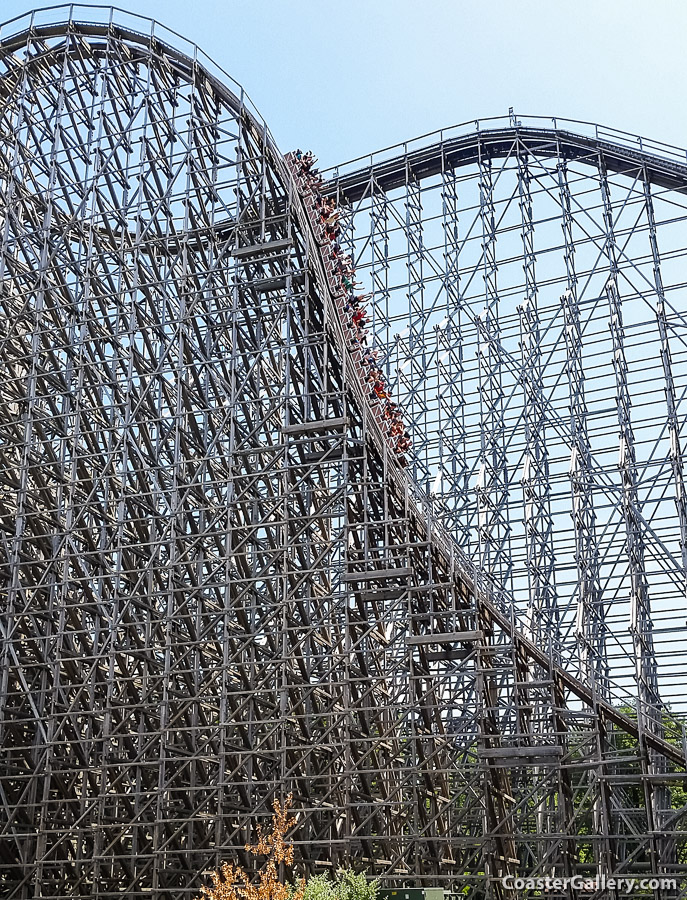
x: 218, y: 584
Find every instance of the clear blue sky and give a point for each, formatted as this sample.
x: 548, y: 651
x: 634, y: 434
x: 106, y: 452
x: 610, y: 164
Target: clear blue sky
x: 350, y: 77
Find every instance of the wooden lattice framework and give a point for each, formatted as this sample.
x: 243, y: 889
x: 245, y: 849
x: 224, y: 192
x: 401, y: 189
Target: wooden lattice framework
x: 218, y: 584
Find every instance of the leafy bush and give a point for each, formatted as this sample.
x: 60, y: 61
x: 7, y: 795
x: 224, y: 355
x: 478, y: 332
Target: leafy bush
x: 230, y: 882
x: 350, y: 885
x: 319, y: 887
